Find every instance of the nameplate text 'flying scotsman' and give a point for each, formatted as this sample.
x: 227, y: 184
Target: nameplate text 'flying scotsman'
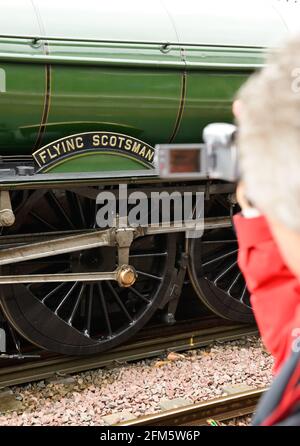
x: 93, y: 142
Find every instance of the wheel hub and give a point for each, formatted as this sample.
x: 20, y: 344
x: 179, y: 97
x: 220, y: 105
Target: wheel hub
x: 127, y: 276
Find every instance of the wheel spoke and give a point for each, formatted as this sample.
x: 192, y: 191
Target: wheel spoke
x: 224, y: 272
x: 27, y: 205
x: 243, y: 293
x: 41, y: 220
x: 223, y: 256
x: 105, y: 310
x: 138, y: 294
x: 94, y: 224
x: 65, y: 298
x: 90, y: 298
x: 150, y: 254
x: 92, y: 207
x: 59, y: 208
x: 24, y: 200
x: 151, y: 276
x: 78, y: 300
x: 234, y: 282
x: 57, y: 288
x: 77, y: 207
x: 119, y: 301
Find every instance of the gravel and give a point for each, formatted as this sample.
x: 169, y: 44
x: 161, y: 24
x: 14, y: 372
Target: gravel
x: 138, y: 388
x: 239, y: 421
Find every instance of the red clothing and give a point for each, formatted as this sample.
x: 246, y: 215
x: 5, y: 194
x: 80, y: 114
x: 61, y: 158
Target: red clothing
x: 275, y: 291
x: 275, y: 298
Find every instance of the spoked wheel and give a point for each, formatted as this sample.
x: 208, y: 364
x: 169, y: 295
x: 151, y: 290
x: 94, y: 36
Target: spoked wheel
x: 82, y: 317
x: 216, y: 277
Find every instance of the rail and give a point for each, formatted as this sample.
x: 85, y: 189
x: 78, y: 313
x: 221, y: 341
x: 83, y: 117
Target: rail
x: 185, y: 339
x: 219, y: 409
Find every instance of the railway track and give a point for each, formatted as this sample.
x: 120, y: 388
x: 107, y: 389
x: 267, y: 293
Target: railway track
x: 186, y: 336
x: 198, y: 414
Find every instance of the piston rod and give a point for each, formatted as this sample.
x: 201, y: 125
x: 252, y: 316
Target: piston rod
x: 125, y: 275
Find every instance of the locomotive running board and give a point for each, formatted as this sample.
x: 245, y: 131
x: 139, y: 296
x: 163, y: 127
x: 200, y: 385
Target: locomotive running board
x: 120, y: 237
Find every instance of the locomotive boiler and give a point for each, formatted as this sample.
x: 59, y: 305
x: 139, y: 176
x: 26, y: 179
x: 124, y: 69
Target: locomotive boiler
x: 87, y: 89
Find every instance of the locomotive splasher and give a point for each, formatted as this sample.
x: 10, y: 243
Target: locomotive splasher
x: 86, y: 91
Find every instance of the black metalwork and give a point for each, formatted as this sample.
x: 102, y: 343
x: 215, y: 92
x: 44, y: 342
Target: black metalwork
x: 214, y: 270
x: 216, y: 275
x: 81, y: 317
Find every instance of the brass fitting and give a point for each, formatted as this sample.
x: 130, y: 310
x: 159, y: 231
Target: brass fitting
x: 126, y: 276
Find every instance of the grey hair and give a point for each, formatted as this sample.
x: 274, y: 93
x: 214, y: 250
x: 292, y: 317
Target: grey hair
x: 269, y: 135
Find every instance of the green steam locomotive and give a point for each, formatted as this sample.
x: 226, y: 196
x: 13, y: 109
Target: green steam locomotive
x: 87, y: 89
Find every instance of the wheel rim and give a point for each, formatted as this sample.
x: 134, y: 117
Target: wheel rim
x: 216, y: 277
x: 80, y: 317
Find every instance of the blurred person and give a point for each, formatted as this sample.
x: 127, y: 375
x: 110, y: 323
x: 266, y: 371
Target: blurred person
x: 268, y: 228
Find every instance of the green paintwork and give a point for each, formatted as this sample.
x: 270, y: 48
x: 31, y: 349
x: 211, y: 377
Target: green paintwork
x: 208, y: 99
x: 98, y: 162
x: 140, y: 103
x: 21, y: 106
x: 132, y: 86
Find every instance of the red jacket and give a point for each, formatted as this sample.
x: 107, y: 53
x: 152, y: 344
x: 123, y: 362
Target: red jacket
x: 275, y: 291
x: 275, y: 298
